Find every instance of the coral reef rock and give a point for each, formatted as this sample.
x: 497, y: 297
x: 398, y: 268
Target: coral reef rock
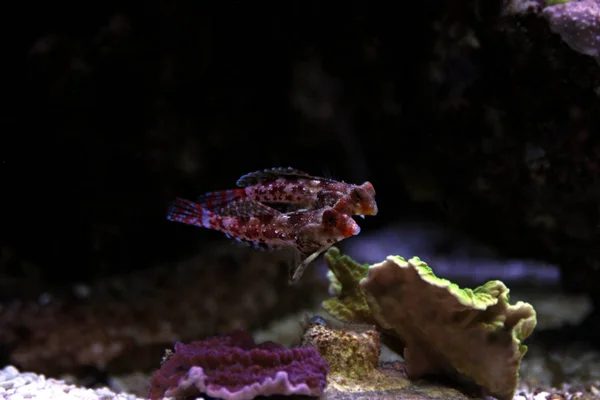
x: 122, y: 324
x: 233, y: 367
x: 578, y: 24
x: 355, y: 373
x: 473, y: 336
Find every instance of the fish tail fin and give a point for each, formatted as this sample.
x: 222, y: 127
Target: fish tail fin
x: 190, y: 213
x: 212, y: 200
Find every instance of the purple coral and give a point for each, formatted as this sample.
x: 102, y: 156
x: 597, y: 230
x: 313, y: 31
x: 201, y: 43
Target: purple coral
x: 233, y: 367
x: 578, y: 23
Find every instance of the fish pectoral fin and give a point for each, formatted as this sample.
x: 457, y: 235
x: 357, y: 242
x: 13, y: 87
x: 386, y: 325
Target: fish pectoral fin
x: 296, y: 273
x: 294, y: 260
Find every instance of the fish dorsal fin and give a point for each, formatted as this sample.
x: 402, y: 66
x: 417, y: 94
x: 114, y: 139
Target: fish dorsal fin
x: 266, y: 175
x: 246, y: 208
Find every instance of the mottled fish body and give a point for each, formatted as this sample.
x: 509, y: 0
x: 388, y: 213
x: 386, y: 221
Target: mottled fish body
x: 266, y: 228
x: 298, y: 188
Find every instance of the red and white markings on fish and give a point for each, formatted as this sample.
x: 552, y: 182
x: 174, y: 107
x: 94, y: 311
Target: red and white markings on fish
x: 308, y: 231
x: 292, y: 186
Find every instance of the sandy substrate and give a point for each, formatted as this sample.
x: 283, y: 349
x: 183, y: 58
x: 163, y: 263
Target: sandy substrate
x: 15, y: 385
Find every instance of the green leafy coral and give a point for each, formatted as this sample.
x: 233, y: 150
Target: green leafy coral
x: 350, y: 301
x: 474, y: 335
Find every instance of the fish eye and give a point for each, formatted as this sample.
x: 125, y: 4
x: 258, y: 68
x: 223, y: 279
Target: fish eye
x: 356, y: 195
x: 330, y: 218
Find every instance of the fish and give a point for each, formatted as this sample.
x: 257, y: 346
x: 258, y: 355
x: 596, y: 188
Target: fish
x: 291, y: 186
x: 309, y: 232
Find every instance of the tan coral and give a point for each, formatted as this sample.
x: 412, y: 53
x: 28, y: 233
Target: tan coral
x: 354, y: 371
x: 353, y: 358
x: 474, y: 335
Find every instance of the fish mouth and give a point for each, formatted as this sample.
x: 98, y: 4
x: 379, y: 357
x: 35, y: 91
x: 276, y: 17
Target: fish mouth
x: 349, y: 228
x: 353, y: 230
x: 374, y: 209
x: 370, y: 210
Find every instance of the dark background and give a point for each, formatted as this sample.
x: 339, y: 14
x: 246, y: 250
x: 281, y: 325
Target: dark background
x: 123, y: 107
x: 127, y: 107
